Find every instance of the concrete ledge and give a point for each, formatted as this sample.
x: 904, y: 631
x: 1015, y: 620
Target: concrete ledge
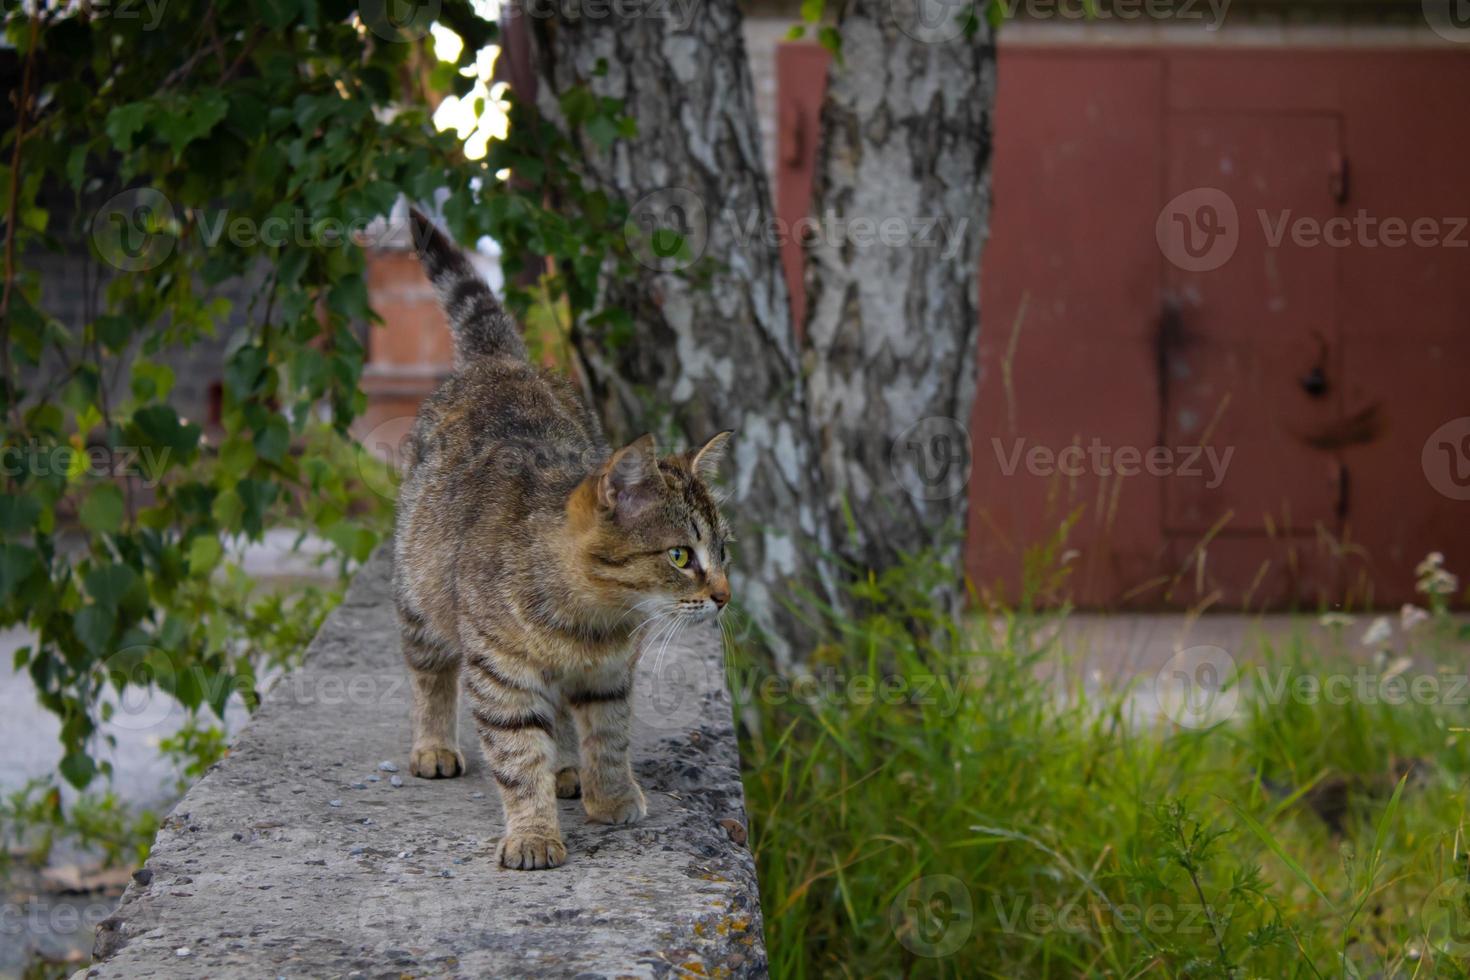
x: 300, y: 856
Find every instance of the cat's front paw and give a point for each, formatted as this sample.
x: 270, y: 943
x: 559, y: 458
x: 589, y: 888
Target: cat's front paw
x: 435, y: 762
x: 629, y: 807
x: 531, y: 851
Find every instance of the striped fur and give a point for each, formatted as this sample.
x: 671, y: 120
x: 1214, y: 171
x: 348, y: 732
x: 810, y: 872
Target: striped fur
x: 480, y: 326
x: 531, y: 566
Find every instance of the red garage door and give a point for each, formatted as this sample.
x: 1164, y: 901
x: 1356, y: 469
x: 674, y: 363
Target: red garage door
x: 1225, y: 306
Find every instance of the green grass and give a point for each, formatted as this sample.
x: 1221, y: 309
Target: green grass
x: 1003, y: 827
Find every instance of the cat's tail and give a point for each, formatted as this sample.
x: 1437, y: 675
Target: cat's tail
x: 481, y: 327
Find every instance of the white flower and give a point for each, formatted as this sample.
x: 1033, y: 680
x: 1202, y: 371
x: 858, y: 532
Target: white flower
x: 1432, y: 562
x: 1411, y: 616
x: 1439, y: 582
x: 1378, y: 633
x: 1335, y: 620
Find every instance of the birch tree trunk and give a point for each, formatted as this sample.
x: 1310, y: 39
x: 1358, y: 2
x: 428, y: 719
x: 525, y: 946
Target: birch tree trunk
x: 715, y: 353
x: 892, y: 329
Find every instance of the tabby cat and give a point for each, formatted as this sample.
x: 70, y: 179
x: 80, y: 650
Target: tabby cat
x: 529, y: 563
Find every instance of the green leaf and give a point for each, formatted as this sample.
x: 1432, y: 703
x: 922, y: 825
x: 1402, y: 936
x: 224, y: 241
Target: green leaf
x: 76, y: 165
x: 116, y: 585
x: 126, y: 121
x: 236, y: 457
x: 151, y: 382
x: 102, y: 511
x: 248, y: 115
x: 78, y: 769
x: 603, y: 131
x: 17, y: 563
x: 831, y: 40
x: 93, y: 625
x: 272, y: 441
x: 228, y: 510
x: 113, y: 331
x: 349, y: 297
x: 192, y: 120
x: 244, y: 372
x: 18, y: 514
x: 256, y: 496
x: 205, y: 552
x: 309, y: 371
x: 159, y: 425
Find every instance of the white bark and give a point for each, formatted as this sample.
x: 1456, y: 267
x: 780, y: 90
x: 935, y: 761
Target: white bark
x: 893, y: 329
x: 712, y: 351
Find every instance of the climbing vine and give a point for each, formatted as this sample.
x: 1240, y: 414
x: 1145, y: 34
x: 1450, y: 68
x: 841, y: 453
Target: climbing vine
x: 224, y: 164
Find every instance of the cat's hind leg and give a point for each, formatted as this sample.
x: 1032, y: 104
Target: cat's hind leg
x: 433, y: 668
x: 568, y: 780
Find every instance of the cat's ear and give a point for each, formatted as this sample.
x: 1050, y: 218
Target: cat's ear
x: 704, y: 462
x: 630, y: 480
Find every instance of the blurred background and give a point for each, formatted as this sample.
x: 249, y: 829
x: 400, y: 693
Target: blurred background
x: 1225, y: 306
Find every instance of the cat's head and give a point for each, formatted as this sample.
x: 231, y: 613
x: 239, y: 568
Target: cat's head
x: 652, y: 536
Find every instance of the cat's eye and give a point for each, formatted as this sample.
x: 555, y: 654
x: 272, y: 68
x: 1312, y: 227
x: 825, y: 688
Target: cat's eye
x: 679, y: 557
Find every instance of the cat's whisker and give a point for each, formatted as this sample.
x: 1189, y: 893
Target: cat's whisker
x: 637, y: 607
x: 673, y: 632
x: 665, y: 634
x: 654, y: 623
x: 649, y: 622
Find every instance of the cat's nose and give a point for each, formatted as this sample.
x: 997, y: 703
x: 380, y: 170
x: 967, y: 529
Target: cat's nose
x: 720, y: 596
